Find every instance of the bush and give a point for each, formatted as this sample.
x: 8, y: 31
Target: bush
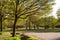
x: 33, y: 38
x: 22, y: 37
x: 4, y: 33
x: 25, y: 37
x: 12, y: 38
x: 0, y: 33
x: 18, y: 38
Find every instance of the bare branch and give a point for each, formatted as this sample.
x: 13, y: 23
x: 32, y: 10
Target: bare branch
x: 28, y: 12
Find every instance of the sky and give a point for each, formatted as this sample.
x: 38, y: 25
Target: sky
x: 55, y: 8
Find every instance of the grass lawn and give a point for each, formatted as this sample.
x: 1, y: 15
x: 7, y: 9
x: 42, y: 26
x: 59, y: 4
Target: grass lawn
x: 4, y: 35
x: 19, y: 38
x: 46, y: 30
x: 35, y: 30
x: 42, y: 30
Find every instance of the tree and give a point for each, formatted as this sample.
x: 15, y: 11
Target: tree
x: 52, y: 21
x: 18, y: 9
x: 58, y: 15
x: 1, y: 15
x: 43, y: 7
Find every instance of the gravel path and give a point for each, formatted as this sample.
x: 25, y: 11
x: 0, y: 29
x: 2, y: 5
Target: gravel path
x: 46, y: 36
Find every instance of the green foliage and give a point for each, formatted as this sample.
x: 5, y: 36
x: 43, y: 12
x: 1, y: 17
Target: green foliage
x: 44, y: 30
x: 33, y: 38
x: 58, y: 15
x: 43, y: 21
x: 4, y: 33
x: 26, y: 8
x: 11, y: 38
x: 18, y: 38
x: 30, y: 10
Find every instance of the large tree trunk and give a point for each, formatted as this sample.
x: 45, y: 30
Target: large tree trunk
x: 14, y: 27
x: 1, y: 24
x: 16, y: 17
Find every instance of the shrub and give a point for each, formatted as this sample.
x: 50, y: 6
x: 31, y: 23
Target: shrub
x: 4, y: 33
x: 12, y: 38
x: 33, y: 38
x: 24, y: 37
x: 21, y: 37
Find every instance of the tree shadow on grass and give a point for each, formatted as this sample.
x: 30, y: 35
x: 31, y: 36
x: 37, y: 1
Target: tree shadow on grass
x: 24, y: 37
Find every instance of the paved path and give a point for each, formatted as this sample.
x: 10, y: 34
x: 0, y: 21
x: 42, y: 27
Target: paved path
x: 46, y: 36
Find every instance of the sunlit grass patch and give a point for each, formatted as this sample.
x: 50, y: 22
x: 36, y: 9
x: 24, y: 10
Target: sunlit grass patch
x: 4, y: 33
